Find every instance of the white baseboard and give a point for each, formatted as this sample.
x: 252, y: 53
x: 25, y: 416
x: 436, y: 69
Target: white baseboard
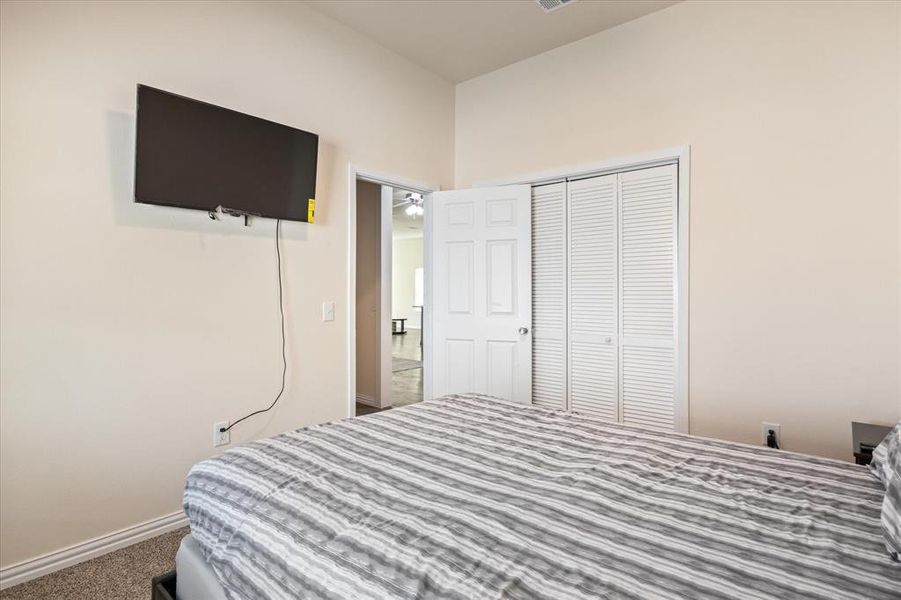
x: 368, y: 400
x: 60, y: 559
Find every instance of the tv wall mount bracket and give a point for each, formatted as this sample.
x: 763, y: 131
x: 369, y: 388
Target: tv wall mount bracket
x: 232, y: 212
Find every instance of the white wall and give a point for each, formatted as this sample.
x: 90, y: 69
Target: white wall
x: 128, y: 330
x: 792, y: 113
x: 406, y: 257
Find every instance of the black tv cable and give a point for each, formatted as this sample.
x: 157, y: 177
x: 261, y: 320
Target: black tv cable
x: 281, y: 310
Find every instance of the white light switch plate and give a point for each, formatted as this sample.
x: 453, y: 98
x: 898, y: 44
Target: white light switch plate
x: 328, y: 310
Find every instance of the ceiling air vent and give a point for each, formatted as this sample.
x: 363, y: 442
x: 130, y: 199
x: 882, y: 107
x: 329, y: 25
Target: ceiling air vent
x: 552, y: 5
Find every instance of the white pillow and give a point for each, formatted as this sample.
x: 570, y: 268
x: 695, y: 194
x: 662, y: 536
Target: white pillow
x: 886, y: 466
x: 880, y: 465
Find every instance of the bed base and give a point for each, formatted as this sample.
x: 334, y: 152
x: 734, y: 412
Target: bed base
x: 192, y: 579
x: 163, y: 587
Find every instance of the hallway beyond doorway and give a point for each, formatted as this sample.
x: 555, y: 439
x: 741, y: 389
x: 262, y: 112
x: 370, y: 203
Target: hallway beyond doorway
x: 406, y: 378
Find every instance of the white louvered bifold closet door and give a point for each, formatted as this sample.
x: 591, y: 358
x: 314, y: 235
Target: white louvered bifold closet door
x: 593, y: 320
x: 648, y: 271
x: 549, y: 295
x: 604, y: 267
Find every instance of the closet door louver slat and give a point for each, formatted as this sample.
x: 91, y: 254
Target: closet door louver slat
x: 648, y: 269
x: 549, y: 295
x: 593, y: 296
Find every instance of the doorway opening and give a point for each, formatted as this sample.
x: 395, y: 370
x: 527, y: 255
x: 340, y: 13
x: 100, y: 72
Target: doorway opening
x: 407, y: 296
x: 388, y: 299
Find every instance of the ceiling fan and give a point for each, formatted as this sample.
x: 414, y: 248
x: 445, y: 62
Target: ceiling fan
x: 414, y: 201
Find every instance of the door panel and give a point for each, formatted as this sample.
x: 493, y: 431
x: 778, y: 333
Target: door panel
x: 481, y: 244
x: 549, y: 360
x: 649, y: 221
x: 501, y: 277
x: 501, y: 213
x: 593, y: 297
x: 459, y: 277
x: 594, y: 380
x: 502, y: 368
x: 459, y: 366
x: 460, y: 214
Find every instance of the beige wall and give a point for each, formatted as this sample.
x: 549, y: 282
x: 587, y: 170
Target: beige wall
x: 127, y: 331
x: 369, y: 288
x: 792, y: 113
x: 406, y: 257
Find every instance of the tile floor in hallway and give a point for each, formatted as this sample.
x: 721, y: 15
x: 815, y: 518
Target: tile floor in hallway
x: 406, y: 385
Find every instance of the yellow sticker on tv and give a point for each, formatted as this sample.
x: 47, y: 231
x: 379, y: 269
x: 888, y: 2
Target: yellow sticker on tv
x: 311, y: 210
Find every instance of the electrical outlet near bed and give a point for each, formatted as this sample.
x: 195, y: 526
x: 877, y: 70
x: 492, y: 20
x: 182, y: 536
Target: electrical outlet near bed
x: 221, y: 438
x: 765, y: 429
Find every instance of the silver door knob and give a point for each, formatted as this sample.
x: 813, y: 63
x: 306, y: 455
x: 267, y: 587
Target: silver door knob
x: 523, y: 330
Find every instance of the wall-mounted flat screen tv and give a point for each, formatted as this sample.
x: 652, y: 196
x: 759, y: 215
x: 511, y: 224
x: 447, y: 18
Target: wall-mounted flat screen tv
x: 191, y: 154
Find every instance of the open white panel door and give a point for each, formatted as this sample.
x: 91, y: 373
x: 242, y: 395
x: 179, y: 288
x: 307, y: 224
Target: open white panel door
x: 480, y: 244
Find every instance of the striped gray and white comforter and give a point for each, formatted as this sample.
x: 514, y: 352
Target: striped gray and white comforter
x: 472, y: 497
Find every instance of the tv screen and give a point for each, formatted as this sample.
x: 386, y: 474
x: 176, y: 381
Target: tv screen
x: 196, y: 155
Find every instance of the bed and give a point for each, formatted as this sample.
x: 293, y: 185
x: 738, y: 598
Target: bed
x: 473, y: 497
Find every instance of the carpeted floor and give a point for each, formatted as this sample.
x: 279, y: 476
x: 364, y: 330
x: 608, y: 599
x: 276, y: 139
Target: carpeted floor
x: 121, y: 575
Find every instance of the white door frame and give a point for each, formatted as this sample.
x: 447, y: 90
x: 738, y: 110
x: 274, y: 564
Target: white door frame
x: 681, y: 156
x: 353, y: 174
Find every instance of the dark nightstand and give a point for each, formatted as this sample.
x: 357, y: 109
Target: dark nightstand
x: 863, y: 458
x: 864, y: 438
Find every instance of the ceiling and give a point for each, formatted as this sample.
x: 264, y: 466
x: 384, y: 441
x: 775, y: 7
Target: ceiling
x: 403, y: 225
x: 462, y: 39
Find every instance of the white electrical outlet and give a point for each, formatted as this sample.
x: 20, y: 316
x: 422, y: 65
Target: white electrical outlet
x: 765, y: 430
x: 221, y: 438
